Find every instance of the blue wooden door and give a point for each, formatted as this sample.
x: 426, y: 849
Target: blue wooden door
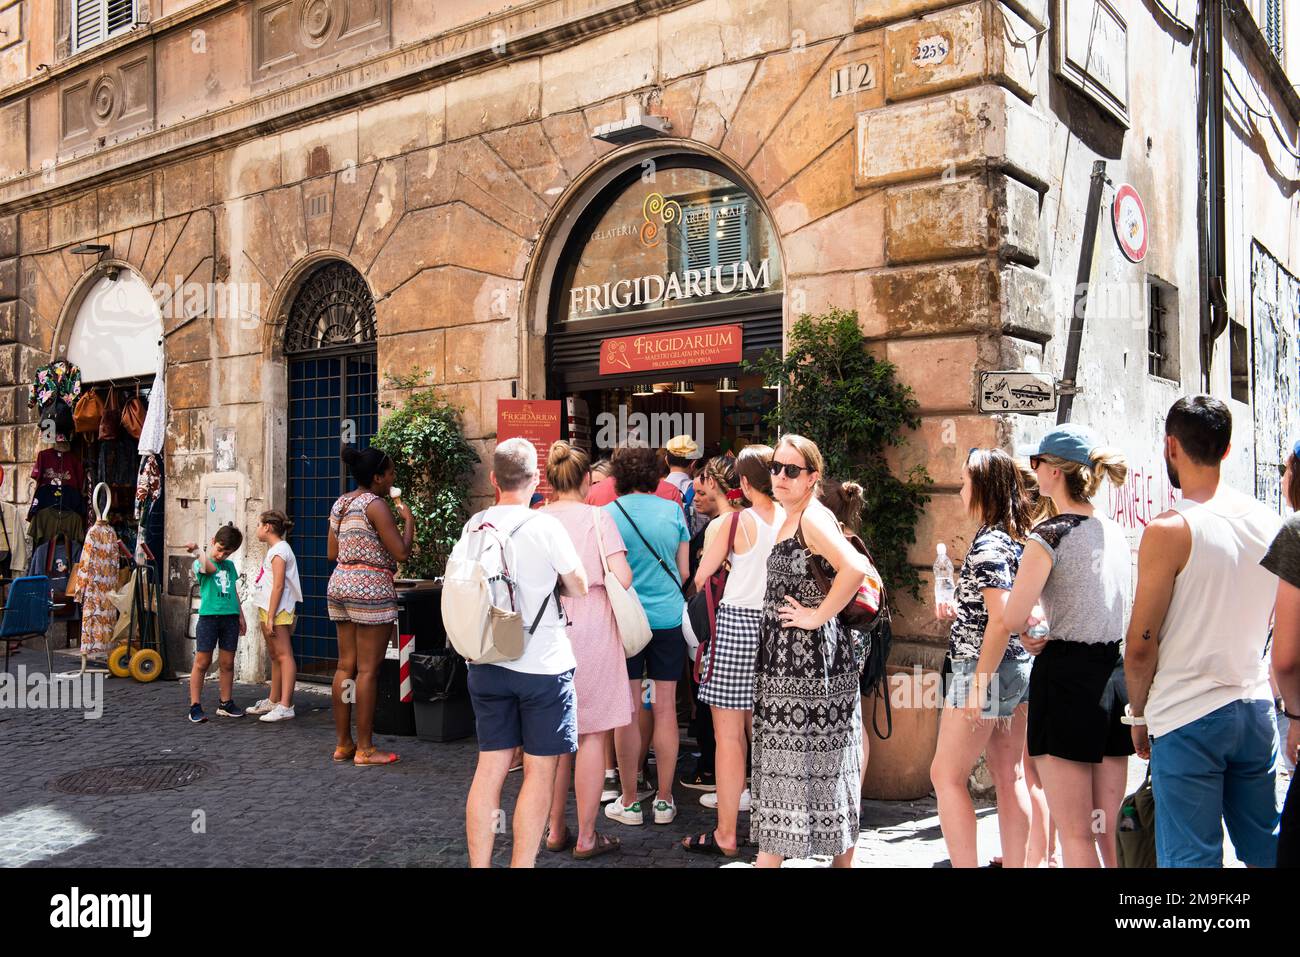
x: 331, y: 397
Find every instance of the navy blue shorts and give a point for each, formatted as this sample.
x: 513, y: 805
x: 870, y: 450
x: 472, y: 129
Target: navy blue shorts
x: 217, y: 630
x: 663, y: 659
x: 512, y: 708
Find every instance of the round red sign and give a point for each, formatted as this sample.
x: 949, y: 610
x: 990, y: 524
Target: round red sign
x: 1130, y: 218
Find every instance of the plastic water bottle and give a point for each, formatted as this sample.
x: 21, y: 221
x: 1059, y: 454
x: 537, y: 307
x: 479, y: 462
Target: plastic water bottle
x: 944, y: 588
x: 1039, y: 630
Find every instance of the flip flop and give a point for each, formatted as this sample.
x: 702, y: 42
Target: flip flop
x: 362, y: 758
x: 707, y: 844
x: 344, y: 754
x: 603, y: 845
x: 566, y: 842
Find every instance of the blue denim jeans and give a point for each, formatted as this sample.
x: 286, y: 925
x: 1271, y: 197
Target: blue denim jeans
x: 1216, y: 770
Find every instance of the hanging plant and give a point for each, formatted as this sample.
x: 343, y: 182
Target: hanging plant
x: 851, y: 404
x: 425, y: 438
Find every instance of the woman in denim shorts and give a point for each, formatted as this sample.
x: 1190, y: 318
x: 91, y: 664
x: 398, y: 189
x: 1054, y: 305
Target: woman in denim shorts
x: 984, y: 705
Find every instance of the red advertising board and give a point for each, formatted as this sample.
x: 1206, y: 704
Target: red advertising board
x: 537, y: 420
x: 678, y: 349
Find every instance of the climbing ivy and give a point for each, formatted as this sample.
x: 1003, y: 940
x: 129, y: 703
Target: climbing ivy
x: 851, y: 404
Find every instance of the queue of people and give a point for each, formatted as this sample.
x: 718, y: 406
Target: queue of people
x: 1057, y: 669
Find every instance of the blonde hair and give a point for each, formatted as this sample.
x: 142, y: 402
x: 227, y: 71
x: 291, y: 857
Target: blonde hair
x: 1083, y: 481
x: 807, y: 448
x: 566, y: 467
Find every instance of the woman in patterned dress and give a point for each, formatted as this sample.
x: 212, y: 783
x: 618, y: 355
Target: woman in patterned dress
x: 807, y: 720
x: 364, y: 540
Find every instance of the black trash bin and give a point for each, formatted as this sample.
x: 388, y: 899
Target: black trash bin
x: 391, y: 715
x: 443, y: 711
x: 419, y: 613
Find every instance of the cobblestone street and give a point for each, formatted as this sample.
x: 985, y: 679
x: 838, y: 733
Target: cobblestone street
x: 271, y: 796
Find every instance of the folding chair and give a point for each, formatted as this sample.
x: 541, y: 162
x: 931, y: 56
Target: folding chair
x: 27, y: 615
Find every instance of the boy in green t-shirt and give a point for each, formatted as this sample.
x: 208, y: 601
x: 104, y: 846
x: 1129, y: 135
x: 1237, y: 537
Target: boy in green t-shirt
x: 220, y: 622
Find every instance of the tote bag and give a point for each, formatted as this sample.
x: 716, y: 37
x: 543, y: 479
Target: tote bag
x: 633, y: 625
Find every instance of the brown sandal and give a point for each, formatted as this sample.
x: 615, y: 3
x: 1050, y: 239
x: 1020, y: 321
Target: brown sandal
x: 364, y: 755
x: 603, y: 845
x: 344, y: 754
x: 565, y: 842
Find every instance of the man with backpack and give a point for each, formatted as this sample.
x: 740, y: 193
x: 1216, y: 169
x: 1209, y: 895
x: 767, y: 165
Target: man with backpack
x: 504, y: 577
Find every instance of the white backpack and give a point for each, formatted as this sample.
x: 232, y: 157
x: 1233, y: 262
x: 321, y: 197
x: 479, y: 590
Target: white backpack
x: 482, y: 631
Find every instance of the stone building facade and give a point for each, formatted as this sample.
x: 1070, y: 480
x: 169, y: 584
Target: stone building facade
x: 925, y: 162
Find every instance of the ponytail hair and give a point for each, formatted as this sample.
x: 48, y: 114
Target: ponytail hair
x: 365, y: 464
x: 280, y: 523
x: 845, y: 500
x: 1083, y: 481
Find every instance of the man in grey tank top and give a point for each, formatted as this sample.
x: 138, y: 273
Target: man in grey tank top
x: 1196, y: 659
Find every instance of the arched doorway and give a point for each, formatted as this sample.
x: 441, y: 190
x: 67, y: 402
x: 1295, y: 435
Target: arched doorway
x: 333, y: 398
x: 115, y: 338
x: 669, y: 277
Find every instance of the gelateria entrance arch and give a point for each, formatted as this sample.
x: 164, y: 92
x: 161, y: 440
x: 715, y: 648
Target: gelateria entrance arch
x: 663, y: 275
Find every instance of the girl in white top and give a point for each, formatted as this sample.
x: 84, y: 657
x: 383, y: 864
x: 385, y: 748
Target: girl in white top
x: 727, y: 671
x: 277, y: 591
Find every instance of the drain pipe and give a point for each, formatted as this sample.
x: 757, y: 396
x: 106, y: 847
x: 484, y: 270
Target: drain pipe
x: 1217, y: 247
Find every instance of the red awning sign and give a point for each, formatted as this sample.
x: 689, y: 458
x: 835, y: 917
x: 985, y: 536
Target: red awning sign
x: 678, y: 349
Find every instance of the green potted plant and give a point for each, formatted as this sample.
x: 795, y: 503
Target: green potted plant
x: 424, y: 435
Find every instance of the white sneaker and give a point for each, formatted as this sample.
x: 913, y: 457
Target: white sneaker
x: 611, y: 790
x: 615, y: 811
x: 665, y: 812
x: 711, y: 801
x: 264, y: 706
x: 279, y: 713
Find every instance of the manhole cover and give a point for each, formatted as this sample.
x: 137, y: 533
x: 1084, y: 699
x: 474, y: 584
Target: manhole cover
x: 131, y: 778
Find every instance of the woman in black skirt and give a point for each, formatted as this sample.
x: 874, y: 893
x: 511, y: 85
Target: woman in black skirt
x: 1078, y: 564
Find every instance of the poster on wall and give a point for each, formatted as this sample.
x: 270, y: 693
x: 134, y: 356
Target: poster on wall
x: 1275, y: 311
x: 538, y: 421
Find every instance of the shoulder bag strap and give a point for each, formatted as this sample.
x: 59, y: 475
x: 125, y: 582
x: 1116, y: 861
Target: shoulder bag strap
x: 600, y: 539
x: 667, y: 571
x: 555, y: 593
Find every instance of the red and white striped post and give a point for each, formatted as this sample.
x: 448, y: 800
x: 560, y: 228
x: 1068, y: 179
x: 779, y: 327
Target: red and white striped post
x: 404, y: 645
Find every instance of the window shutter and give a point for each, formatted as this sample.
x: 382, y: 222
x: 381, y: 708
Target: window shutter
x: 698, y: 221
x: 87, y: 23
x: 1273, y: 26
x: 94, y: 21
x: 121, y: 16
x: 730, y: 233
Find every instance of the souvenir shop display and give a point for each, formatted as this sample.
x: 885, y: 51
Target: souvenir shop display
x: 99, y: 574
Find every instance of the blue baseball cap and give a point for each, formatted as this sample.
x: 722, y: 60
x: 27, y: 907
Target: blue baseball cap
x: 1074, y: 443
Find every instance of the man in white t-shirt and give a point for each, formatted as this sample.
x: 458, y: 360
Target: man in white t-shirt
x: 528, y: 702
x: 1196, y: 658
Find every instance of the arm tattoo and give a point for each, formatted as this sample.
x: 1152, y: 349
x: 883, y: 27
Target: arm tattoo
x: 1146, y: 635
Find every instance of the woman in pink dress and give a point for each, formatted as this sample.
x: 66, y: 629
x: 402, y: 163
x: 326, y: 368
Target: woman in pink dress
x: 600, y: 682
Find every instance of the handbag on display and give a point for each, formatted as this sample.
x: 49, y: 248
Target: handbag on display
x: 633, y: 625
x: 110, y: 420
x: 87, y: 413
x: 133, y: 414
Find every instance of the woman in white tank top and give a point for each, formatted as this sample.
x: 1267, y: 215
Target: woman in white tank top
x: 727, y: 670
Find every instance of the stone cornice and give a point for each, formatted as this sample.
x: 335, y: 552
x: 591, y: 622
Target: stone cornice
x: 539, y: 27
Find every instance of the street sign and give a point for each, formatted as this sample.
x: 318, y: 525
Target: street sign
x: 1017, y: 391
x: 1130, y: 219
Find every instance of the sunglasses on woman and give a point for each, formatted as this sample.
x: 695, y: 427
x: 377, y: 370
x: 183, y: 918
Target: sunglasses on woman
x: 791, y: 471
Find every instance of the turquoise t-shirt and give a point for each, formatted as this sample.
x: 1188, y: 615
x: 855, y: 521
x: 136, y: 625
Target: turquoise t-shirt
x: 664, y: 527
x: 217, y: 594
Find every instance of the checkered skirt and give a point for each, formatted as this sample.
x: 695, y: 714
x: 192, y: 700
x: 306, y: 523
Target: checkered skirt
x: 734, y: 650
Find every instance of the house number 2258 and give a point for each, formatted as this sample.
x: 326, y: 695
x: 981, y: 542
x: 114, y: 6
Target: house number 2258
x: 931, y: 50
